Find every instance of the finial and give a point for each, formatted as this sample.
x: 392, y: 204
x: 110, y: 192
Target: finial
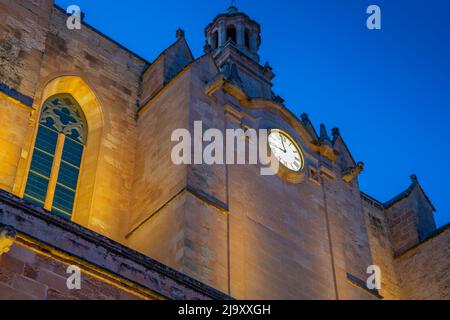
x: 414, y: 178
x: 323, y: 133
x: 180, y: 33
x: 336, y: 133
x: 233, y: 9
x: 305, y: 118
x: 361, y: 166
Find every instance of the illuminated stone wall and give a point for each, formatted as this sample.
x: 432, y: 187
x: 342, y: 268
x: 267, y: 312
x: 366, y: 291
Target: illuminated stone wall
x: 415, y: 264
x: 425, y: 270
x: 44, y: 246
x: 171, y: 224
x: 248, y: 235
x: 381, y: 248
x: 14, y: 117
x: 23, y: 29
x: 26, y: 275
x: 102, y: 76
x: 112, y: 73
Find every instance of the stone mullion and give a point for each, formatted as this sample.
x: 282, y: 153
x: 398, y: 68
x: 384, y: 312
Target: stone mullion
x: 55, y: 172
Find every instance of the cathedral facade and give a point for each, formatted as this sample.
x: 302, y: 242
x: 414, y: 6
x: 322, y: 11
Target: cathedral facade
x: 87, y: 179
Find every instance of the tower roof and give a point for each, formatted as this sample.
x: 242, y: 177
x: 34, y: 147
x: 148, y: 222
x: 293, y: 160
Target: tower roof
x: 232, y: 11
x: 234, y: 29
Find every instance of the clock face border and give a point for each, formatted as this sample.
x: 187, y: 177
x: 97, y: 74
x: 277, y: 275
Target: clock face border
x: 296, y: 145
x: 283, y: 172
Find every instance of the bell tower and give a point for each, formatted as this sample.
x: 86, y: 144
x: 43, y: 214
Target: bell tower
x: 234, y: 39
x: 236, y: 29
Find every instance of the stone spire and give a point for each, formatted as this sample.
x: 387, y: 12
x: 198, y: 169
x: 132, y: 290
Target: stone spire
x: 324, y: 137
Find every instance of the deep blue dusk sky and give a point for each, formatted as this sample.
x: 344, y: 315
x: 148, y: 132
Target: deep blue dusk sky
x: 388, y: 91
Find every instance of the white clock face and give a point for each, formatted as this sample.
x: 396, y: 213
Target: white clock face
x: 286, y: 151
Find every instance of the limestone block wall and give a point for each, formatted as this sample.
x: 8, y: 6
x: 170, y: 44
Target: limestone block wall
x: 420, y: 270
x: 23, y: 29
x: 209, y: 179
x: 251, y: 236
x: 381, y: 248
x: 13, y: 128
x: 279, y: 244
x: 152, y: 79
x: 255, y: 86
x: 170, y: 222
x: 113, y: 74
x: 207, y: 218
x: 169, y: 64
x: 348, y: 234
x: 425, y: 269
x: 410, y: 220
x: 206, y: 255
x: 26, y: 275
x: 279, y: 248
x: 44, y: 246
x: 163, y: 236
x: 156, y: 222
x: 156, y: 178
x: 105, y: 72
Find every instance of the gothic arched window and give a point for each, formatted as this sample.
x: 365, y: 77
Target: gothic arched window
x: 231, y: 34
x: 55, y: 167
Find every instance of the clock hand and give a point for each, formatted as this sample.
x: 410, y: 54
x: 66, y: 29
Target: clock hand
x: 282, y: 142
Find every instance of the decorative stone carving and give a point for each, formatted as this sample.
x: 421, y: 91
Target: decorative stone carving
x: 7, y: 238
x: 324, y: 138
x: 336, y: 133
x: 180, y: 33
x: 352, y: 173
x: 63, y: 114
x: 323, y: 145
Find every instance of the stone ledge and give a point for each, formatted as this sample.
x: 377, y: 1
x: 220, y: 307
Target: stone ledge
x: 101, y: 252
x: 361, y: 284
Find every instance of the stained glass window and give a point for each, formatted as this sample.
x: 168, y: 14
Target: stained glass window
x: 57, y: 156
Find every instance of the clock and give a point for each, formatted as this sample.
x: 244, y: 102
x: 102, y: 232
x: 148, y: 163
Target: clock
x: 286, y: 150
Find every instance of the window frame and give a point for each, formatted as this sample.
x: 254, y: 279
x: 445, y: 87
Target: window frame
x: 54, y: 179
